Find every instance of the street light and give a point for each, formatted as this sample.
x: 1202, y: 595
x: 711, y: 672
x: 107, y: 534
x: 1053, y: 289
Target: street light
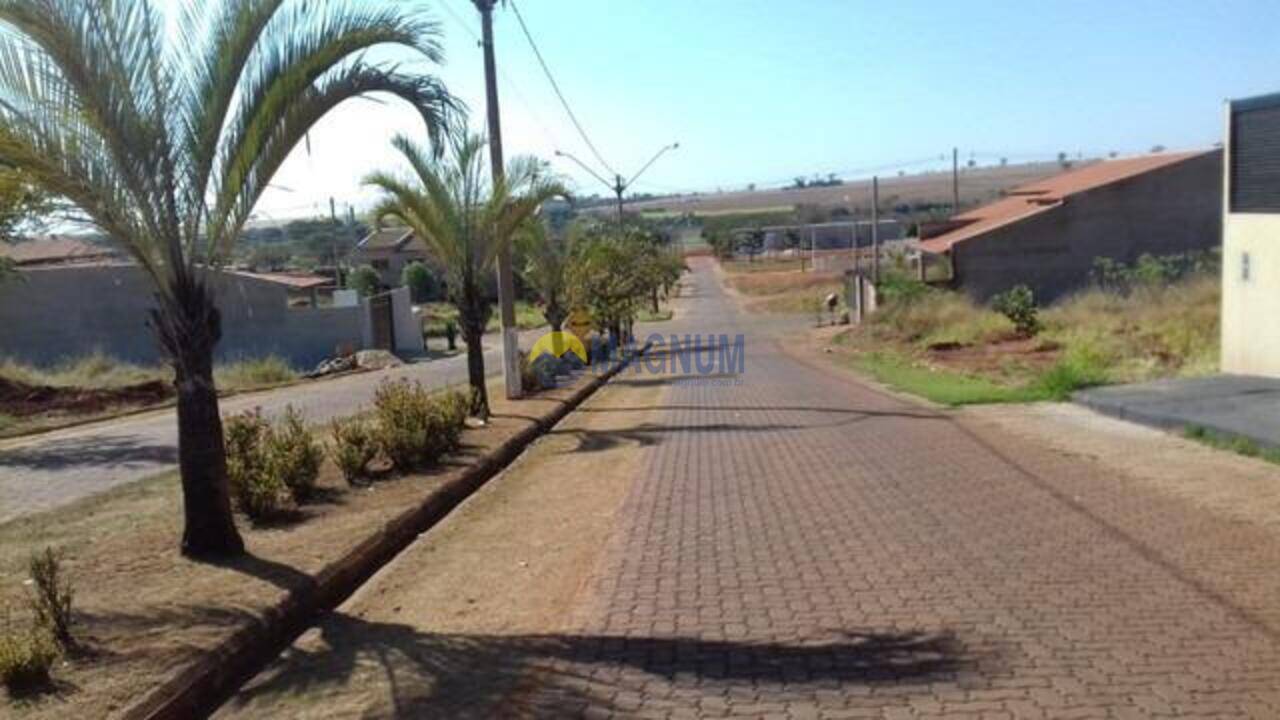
x: 618, y: 186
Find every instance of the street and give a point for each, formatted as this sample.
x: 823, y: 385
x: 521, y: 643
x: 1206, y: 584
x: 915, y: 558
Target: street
x: 53, y: 469
x: 796, y: 543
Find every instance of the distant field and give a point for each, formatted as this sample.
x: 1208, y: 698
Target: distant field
x: 977, y: 185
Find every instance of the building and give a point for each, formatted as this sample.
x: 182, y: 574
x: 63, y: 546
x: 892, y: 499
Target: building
x: 1251, y: 238
x: 388, y: 251
x: 69, y: 305
x: 55, y: 250
x: 1047, y: 234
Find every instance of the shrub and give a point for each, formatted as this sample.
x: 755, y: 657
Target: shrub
x: 257, y: 490
x: 422, y: 283
x: 354, y: 446
x: 293, y: 454
x: 415, y: 428
x: 256, y: 373
x: 1019, y: 305
x: 529, y: 380
x: 25, y: 659
x: 364, y: 280
x: 896, y: 288
x: 51, y: 601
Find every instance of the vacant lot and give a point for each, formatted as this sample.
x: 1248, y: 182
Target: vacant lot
x: 976, y: 185
x: 943, y: 346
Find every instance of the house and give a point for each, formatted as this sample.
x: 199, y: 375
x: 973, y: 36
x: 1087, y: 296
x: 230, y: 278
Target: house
x: 72, y: 304
x: 1251, y: 238
x: 55, y: 249
x: 388, y: 251
x: 1047, y: 234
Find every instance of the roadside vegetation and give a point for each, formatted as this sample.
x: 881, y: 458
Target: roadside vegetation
x: 1156, y: 318
x: 99, y: 386
x: 1232, y: 443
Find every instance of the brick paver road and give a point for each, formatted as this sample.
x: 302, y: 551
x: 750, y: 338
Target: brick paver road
x: 800, y: 545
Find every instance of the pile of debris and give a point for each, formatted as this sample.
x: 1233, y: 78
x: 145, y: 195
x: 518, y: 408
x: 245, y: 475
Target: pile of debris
x: 363, y: 360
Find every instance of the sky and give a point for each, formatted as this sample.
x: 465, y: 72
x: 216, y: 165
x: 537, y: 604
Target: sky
x: 761, y: 91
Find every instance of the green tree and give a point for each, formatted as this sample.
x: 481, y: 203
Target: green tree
x: 465, y: 218
x: 23, y: 204
x: 365, y: 281
x: 165, y: 141
x: 421, y: 281
x: 545, y: 256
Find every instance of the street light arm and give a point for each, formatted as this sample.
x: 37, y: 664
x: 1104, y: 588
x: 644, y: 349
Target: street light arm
x: 649, y: 164
x: 584, y: 166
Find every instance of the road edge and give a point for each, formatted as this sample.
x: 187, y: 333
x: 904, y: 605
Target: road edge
x: 200, y: 688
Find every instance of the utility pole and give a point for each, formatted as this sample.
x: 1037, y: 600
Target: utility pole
x: 618, y: 186
x: 506, y: 285
x: 955, y: 181
x: 875, y: 230
x: 333, y: 218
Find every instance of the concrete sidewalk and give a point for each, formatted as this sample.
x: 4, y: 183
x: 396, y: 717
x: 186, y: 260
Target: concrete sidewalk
x: 1230, y: 404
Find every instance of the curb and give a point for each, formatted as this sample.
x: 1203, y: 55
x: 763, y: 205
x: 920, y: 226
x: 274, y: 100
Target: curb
x: 199, y: 689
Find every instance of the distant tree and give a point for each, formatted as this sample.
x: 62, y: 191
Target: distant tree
x: 422, y: 283
x: 1062, y: 159
x: 1004, y: 161
x: 1113, y: 154
x: 751, y: 187
x: 972, y: 162
x: 801, y: 183
x: 269, y: 258
x: 1157, y: 149
x: 364, y: 280
x: 23, y: 205
x: 545, y: 256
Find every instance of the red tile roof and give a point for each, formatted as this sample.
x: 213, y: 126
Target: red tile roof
x: 1043, y: 195
x: 295, y: 281
x: 54, y: 250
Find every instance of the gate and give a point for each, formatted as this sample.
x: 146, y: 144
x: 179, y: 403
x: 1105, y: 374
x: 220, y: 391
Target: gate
x: 383, y: 323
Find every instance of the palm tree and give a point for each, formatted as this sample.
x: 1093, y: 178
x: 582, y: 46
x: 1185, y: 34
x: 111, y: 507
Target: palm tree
x: 165, y: 137
x: 546, y: 266
x: 465, y: 218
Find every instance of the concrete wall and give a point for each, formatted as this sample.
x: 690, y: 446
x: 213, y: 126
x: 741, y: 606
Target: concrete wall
x: 68, y: 311
x: 1170, y: 210
x: 408, y: 326
x: 1251, y: 306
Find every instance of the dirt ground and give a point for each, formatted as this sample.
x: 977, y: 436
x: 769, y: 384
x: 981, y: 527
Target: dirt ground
x: 142, y: 610
x: 446, y: 629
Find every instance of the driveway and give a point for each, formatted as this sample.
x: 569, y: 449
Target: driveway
x: 795, y: 543
x: 56, y: 468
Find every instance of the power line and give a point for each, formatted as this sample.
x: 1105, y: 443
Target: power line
x: 556, y: 86
x: 507, y: 82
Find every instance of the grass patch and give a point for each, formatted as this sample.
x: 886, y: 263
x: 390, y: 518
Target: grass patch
x: 95, y: 371
x: 941, y: 386
x: 648, y: 315
x: 438, y: 314
x: 254, y: 374
x: 1231, y: 443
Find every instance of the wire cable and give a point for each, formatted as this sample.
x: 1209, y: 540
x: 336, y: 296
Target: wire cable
x: 556, y: 86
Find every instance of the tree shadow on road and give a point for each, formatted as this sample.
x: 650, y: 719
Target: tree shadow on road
x: 387, y: 669
x: 90, y: 451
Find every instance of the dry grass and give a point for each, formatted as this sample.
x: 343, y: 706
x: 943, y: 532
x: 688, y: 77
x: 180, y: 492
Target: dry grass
x: 98, y: 371
x: 1163, y: 331
x: 1092, y: 337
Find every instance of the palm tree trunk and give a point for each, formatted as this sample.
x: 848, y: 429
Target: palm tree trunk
x: 189, y: 327
x: 654, y: 298
x: 473, y: 318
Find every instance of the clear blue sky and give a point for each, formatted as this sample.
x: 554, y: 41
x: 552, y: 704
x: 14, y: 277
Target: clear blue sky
x: 760, y: 91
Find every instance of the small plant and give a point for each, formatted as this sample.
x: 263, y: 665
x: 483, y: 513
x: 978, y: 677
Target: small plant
x: 529, y: 380
x: 26, y: 658
x: 451, y: 334
x: 1019, y: 305
x: 293, y: 454
x: 354, y: 446
x: 257, y: 490
x: 51, y: 601
x: 416, y: 428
